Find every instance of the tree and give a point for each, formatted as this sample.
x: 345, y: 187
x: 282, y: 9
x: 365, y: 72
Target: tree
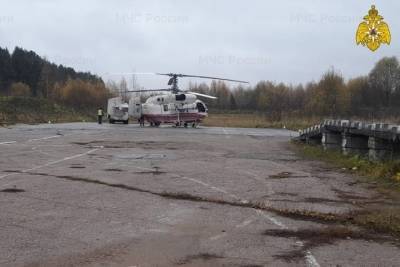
x: 331, y: 87
x: 232, y: 102
x: 20, y: 89
x: 357, y: 89
x: 123, y: 90
x: 6, y: 71
x: 384, y: 80
x: 27, y: 67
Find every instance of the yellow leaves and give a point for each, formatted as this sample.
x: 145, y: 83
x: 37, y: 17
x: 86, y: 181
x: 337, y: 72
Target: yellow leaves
x: 373, y: 31
x: 397, y: 177
x: 84, y: 95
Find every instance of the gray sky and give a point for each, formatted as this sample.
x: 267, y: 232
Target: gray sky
x: 290, y: 41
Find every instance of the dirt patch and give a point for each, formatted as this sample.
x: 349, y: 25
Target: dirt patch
x: 312, y: 238
x: 136, y: 144
x: 348, y: 195
x: 156, y: 171
x: 327, y: 200
x: 365, y: 218
x: 12, y: 190
x: 151, y: 172
x: 286, y: 194
x: 77, y: 167
x: 285, y: 175
x: 202, y: 256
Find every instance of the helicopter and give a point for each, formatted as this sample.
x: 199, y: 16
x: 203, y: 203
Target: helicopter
x: 176, y: 107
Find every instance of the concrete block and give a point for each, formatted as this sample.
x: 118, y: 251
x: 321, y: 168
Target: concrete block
x: 354, y: 124
x: 332, y: 138
x: 385, y: 126
x: 355, y: 141
x: 379, y: 144
x: 371, y: 127
x: 344, y: 123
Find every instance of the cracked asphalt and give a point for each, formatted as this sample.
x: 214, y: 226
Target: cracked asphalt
x: 83, y: 194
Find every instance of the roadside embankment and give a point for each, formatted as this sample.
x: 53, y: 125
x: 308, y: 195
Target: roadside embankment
x: 36, y: 110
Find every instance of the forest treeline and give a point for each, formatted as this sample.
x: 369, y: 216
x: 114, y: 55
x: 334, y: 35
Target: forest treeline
x: 24, y: 73
x: 373, y: 96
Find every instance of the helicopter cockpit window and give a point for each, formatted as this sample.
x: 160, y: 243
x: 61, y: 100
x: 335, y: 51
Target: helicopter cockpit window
x: 165, y: 107
x: 158, y: 99
x: 181, y: 97
x: 201, y: 107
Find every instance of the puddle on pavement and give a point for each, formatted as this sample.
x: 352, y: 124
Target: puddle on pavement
x: 202, y: 256
x: 140, y: 156
x: 77, y: 167
x: 12, y: 190
x: 155, y: 172
x: 285, y: 175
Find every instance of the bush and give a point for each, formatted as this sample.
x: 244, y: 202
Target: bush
x: 20, y: 89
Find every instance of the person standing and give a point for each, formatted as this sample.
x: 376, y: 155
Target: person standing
x: 100, y: 115
x: 141, y: 121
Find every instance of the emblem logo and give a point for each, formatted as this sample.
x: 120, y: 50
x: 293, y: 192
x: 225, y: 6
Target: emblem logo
x: 373, y: 31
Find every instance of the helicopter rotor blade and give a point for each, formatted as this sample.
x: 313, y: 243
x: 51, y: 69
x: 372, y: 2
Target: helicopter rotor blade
x: 129, y: 73
x: 200, y: 76
x: 213, y: 78
x: 148, y: 90
x: 203, y: 95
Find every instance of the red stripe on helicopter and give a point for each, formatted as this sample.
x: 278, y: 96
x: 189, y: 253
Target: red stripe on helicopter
x: 188, y: 117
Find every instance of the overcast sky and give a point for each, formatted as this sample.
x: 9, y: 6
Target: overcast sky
x: 290, y: 41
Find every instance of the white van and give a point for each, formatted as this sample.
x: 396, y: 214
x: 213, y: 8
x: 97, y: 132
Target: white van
x: 117, y: 111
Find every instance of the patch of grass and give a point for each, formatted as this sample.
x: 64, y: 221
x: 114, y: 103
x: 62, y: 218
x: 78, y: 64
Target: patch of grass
x: 316, y: 237
x: 385, y: 177
x: 37, y: 110
x: 255, y: 120
x: 201, y: 256
x: 386, y: 173
x: 384, y: 220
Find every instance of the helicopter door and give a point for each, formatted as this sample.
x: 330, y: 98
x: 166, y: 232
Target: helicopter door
x: 135, y: 108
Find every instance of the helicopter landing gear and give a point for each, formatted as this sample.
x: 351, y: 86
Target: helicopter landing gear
x: 185, y: 125
x: 194, y: 125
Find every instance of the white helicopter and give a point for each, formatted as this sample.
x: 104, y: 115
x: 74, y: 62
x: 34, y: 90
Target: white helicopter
x: 177, y: 107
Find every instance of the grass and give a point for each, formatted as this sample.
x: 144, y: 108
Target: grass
x: 317, y: 237
x: 255, y: 120
x: 385, y: 176
x: 36, y: 110
x: 385, y: 173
